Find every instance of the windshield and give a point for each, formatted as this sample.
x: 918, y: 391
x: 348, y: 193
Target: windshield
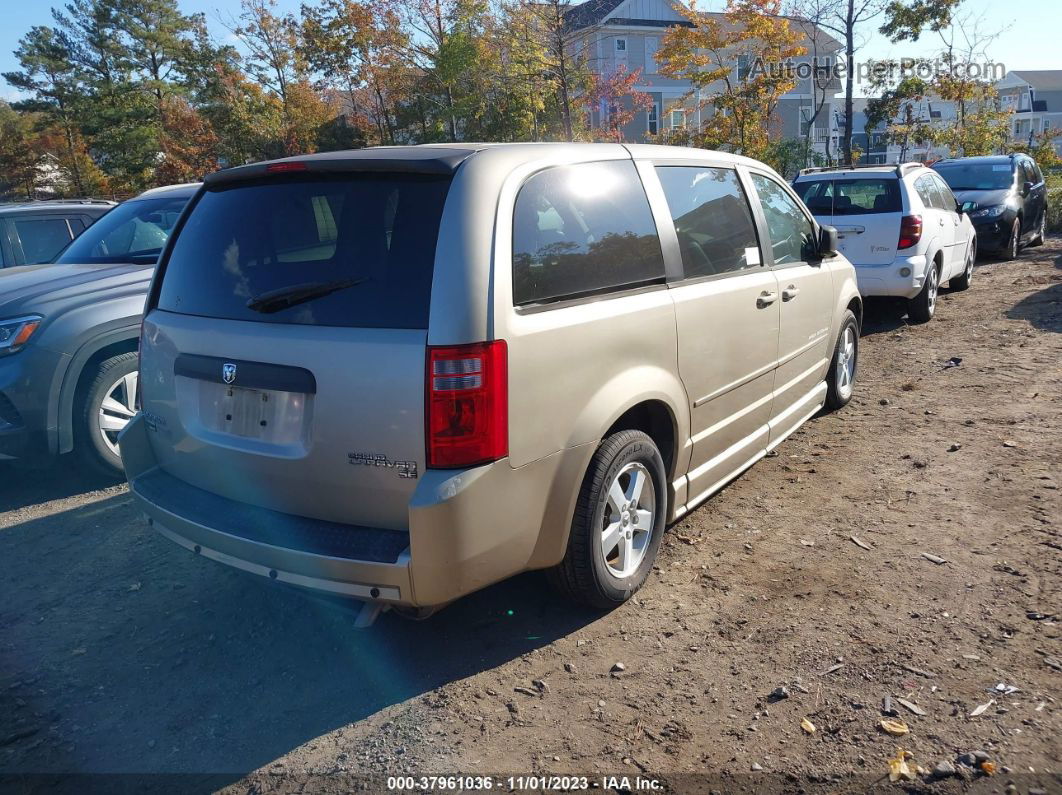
x: 977, y: 176
x: 134, y: 231
x: 352, y: 250
x: 850, y: 196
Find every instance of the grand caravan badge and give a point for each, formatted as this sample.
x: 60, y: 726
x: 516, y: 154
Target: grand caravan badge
x: 405, y: 469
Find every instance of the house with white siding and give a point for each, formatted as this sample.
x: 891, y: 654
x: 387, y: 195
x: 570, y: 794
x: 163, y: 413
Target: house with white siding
x: 627, y: 33
x: 1034, y: 98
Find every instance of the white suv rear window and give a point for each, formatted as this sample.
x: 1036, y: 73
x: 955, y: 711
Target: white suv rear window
x: 860, y: 196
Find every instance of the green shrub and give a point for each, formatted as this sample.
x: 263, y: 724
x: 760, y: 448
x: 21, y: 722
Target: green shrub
x: 1054, y: 209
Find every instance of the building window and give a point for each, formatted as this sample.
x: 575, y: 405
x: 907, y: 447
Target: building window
x: 654, y: 119
x: 621, y: 46
x: 652, y: 44
x: 743, y: 67
x: 678, y: 119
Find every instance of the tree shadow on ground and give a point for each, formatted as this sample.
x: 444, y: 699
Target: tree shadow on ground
x: 1043, y: 309
x: 122, y: 652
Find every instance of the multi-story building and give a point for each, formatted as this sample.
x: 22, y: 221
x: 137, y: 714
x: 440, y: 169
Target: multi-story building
x: 1035, y: 99
x: 615, y: 34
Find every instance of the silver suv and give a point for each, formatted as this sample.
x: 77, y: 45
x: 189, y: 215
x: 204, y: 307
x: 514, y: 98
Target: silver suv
x: 402, y: 374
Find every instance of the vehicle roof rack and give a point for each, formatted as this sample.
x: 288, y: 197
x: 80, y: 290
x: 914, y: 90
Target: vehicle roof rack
x: 899, y: 168
x: 35, y: 202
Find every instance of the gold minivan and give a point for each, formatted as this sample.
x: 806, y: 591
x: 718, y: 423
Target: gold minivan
x: 404, y: 373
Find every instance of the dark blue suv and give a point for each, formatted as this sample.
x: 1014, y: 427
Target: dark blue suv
x: 1005, y: 197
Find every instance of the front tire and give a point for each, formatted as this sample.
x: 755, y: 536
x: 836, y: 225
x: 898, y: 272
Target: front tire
x: 924, y: 305
x: 618, y: 523
x: 108, y: 404
x: 840, y: 381
x: 1013, y: 242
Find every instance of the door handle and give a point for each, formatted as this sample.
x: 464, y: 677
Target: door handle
x: 940, y: 221
x: 790, y: 292
x: 766, y: 298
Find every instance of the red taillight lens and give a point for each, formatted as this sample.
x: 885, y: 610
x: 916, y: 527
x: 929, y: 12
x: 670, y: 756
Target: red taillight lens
x: 467, y: 405
x: 293, y: 165
x: 910, y: 231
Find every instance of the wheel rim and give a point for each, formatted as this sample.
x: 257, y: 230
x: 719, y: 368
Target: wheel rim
x: 970, y: 262
x: 846, y: 363
x: 932, y: 288
x: 118, y: 407
x: 627, y: 524
x: 1015, y: 233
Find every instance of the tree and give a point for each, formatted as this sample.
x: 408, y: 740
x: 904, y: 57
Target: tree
x: 846, y: 21
x: 809, y: 16
x: 744, y: 101
x: 980, y: 126
x: 617, y: 92
x: 49, y: 75
x: 355, y: 46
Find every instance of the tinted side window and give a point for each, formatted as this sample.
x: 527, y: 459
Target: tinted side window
x: 792, y: 234
x: 583, y: 229
x: 42, y: 238
x: 925, y: 191
x: 712, y: 219
x: 947, y: 198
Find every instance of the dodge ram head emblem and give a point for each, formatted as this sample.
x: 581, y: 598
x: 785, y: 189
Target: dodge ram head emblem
x: 228, y: 372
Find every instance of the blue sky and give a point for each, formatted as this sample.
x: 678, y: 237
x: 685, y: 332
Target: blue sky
x: 1029, y: 38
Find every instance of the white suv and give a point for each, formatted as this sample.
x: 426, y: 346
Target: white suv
x: 901, y: 227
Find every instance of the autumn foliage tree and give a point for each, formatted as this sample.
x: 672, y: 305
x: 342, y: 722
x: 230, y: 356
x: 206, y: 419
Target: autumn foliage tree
x: 738, y: 105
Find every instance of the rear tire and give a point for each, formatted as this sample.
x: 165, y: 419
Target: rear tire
x: 619, y: 521
x: 1041, y: 233
x: 923, y: 306
x: 962, y: 282
x: 840, y: 380
x: 108, y: 404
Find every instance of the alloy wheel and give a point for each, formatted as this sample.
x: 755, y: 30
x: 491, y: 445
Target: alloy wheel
x: 117, y: 410
x: 932, y: 289
x: 628, y: 520
x: 846, y: 363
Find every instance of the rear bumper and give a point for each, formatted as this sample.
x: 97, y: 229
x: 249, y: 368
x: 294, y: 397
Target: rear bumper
x: 888, y: 279
x: 467, y: 529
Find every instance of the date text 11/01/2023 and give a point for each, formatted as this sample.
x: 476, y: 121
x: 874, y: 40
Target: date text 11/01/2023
x: 522, y: 783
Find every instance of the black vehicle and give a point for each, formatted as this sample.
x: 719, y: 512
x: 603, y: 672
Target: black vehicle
x: 1005, y: 196
x: 35, y: 232
x: 69, y: 331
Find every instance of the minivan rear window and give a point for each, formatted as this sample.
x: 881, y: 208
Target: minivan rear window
x: 861, y: 196
x: 325, y: 250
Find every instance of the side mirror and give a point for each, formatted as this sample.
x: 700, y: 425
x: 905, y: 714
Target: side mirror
x: 827, y: 241
x: 1026, y: 189
x: 965, y: 207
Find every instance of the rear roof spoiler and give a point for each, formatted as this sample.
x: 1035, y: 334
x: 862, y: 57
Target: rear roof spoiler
x: 441, y: 161
x: 900, y: 168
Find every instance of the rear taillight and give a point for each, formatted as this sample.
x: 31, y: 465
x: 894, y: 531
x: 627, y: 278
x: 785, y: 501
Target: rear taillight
x: 467, y: 405
x: 910, y: 231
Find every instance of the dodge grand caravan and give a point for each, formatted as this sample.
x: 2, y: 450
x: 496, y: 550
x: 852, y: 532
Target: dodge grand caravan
x: 402, y: 374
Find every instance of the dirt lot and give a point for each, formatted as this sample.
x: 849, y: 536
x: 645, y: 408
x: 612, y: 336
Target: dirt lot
x: 121, y: 652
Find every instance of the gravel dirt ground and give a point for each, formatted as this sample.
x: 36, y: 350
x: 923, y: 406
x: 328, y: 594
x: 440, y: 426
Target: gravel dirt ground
x: 122, y: 653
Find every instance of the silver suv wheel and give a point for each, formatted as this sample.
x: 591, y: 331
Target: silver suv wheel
x: 846, y: 363
x: 628, y: 520
x: 117, y: 409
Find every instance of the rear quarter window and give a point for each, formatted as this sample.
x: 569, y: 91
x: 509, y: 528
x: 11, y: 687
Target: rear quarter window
x: 376, y: 231
x: 582, y: 230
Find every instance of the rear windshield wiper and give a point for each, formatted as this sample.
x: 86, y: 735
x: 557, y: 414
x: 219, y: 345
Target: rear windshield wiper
x: 284, y: 297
